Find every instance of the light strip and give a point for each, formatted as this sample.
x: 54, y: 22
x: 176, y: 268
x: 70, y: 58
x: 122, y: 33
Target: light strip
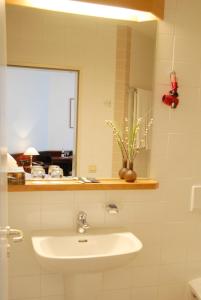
x: 91, y: 9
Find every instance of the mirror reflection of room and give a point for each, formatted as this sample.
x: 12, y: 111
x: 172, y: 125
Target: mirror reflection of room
x: 107, y: 72
x: 41, y: 120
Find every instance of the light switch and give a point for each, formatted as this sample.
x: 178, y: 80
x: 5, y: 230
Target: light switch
x: 195, y: 203
x: 92, y: 168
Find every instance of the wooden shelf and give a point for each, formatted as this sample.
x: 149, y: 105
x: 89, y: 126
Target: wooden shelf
x: 70, y: 185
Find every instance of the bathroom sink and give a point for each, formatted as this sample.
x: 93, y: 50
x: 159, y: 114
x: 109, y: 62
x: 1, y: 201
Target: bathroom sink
x: 60, y: 251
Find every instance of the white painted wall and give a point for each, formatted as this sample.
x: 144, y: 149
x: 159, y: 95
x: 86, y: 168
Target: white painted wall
x: 142, y: 60
x: 38, y: 110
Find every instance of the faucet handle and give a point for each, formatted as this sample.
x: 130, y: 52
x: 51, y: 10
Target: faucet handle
x: 112, y: 208
x: 82, y: 215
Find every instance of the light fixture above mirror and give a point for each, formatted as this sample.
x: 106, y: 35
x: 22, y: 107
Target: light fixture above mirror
x: 139, y: 11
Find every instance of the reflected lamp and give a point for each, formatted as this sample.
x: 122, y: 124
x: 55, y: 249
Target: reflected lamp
x: 31, y: 151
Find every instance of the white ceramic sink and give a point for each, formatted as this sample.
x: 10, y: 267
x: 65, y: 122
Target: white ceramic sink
x: 59, y: 251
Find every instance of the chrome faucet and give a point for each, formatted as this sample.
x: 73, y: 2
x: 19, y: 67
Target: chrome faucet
x: 82, y: 224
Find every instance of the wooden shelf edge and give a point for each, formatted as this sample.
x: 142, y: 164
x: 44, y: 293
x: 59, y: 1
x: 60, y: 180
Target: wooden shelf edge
x: 105, y: 184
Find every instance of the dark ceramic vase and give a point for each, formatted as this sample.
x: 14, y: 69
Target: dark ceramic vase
x: 130, y: 175
x: 123, y: 170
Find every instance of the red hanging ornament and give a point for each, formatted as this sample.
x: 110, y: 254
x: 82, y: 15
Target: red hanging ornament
x: 172, y: 99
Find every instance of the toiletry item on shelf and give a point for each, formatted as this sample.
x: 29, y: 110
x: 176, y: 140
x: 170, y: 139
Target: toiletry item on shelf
x: 16, y: 176
x: 55, y: 171
x: 88, y: 180
x: 38, y: 172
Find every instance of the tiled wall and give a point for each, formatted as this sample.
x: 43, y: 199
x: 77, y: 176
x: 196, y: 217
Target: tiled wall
x: 176, y: 147
x: 169, y: 232
x: 161, y: 219
x: 141, y: 212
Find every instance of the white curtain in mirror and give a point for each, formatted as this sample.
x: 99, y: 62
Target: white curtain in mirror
x: 38, y: 109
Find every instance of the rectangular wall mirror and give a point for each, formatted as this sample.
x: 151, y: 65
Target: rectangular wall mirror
x: 113, y: 59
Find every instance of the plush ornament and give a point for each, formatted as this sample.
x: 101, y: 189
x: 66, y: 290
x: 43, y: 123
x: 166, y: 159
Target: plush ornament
x: 172, y: 99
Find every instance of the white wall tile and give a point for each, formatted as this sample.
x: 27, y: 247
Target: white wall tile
x: 25, y: 287
x: 191, y: 12
x: 84, y: 295
x: 173, y: 292
x: 177, y: 232
x: 142, y: 212
x: 178, y: 122
x: 122, y: 196
x: 148, y: 233
x: 116, y: 295
x: 172, y: 274
x: 84, y: 286
x: 185, y: 47
x: 57, y: 210
x: 194, y: 269
x: 163, y: 69
x: 171, y: 5
x: 145, y: 276
x: 53, y: 298
x: 173, y: 254
x: 193, y: 250
x: 176, y: 166
x: 176, y: 191
x: 24, y: 210
x: 165, y: 27
x: 85, y: 282
x: 162, y: 151
x: 148, y: 256
x: 52, y: 285
x: 182, y: 68
x: 165, y: 47
x: 145, y: 293
x: 120, y: 278
x: 31, y: 299
x: 22, y: 261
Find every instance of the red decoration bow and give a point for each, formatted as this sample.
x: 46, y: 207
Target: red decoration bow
x: 172, y: 99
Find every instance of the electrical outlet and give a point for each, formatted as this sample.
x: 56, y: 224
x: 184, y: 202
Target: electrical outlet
x: 92, y: 168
